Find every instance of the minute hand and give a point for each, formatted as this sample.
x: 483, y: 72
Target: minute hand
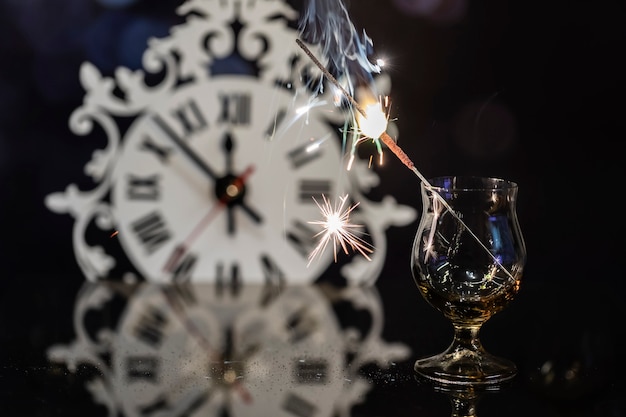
x: 199, y: 162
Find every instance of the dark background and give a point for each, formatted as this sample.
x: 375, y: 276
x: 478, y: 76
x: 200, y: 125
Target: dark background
x: 529, y: 91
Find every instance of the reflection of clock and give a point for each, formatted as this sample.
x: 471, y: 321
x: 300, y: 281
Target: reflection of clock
x: 283, y: 359
x: 161, y: 195
x: 219, y: 350
x: 214, y: 156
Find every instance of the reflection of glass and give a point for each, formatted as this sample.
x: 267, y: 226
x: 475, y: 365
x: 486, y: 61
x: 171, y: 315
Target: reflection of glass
x: 463, y: 398
x: 467, y: 261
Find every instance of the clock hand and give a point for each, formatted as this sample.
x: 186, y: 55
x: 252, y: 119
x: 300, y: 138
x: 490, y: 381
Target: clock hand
x: 182, y: 145
x: 253, y: 214
x: 247, y: 209
x: 232, y: 191
x: 228, y: 145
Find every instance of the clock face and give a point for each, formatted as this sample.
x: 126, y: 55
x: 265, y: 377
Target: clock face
x: 221, y: 182
x: 195, y: 352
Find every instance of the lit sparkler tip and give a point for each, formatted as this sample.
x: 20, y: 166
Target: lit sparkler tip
x: 374, y: 123
x: 336, y: 227
x: 385, y: 138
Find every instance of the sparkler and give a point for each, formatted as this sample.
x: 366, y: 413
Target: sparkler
x: 327, y: 22
x: 383, y: 135
x: 395, y: 148
x: 337, y: 228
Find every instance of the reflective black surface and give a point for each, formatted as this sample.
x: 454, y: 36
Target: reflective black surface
x: 103, y: 354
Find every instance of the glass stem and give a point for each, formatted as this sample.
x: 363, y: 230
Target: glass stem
x: 466, y: 338
x: 463, y: 407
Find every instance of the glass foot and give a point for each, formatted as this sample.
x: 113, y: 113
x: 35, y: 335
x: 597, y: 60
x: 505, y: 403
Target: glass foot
x: 466, y: 367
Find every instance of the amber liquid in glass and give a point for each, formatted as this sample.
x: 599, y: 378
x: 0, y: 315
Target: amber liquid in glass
x: 467, y: 303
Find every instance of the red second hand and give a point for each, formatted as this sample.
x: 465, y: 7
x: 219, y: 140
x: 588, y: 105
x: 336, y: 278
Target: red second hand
x: 182, y: 249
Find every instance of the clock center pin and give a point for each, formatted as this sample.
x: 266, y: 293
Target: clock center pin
x: 230, y: 189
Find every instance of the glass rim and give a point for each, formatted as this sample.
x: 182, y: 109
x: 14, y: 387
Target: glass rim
x: 474, y: 181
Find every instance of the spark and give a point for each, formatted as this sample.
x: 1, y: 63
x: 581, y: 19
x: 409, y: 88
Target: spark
x: 375, y: 124
x: 336, y: 227
x: 371, y: 125
x: 314, y: 146
x: 301, y: 111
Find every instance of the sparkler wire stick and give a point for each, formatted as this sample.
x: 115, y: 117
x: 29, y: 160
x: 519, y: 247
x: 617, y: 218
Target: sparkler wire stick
x: 387, y: 140
x: 393, y: 146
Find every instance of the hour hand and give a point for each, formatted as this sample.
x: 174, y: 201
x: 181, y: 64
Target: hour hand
x: 251, y: 212
x: 256, y: 217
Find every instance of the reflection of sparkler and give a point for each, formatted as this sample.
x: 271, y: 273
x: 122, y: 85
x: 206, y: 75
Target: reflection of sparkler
x: 337, y: 228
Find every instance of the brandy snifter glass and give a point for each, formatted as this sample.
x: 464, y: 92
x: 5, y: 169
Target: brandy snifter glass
x: 467, y: 261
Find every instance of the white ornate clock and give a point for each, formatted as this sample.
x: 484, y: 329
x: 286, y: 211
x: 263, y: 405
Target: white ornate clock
x: 209, y: 174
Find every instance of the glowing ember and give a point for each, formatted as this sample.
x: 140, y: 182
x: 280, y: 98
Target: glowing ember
x: 375, y: 124
x: 336, y: 227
